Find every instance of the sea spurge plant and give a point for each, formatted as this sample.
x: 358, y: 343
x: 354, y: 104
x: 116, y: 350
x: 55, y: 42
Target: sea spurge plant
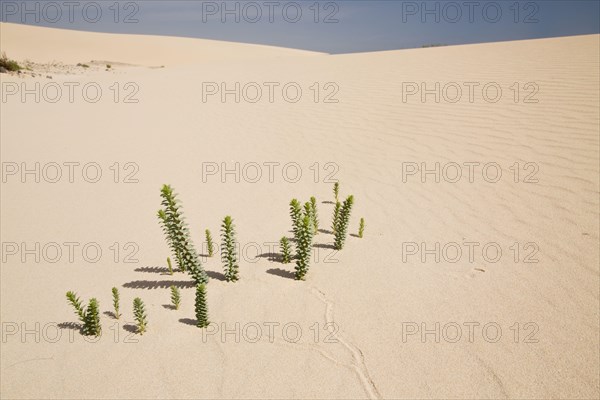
x: 286, y: 251
x: 336, y: 216
x: 169, y: 266
x: 76, y: 303
x: 178, y: 235
x: 210, y: 244
x: 228, y: 251
x: 295, y: 214
x: 91, y: 320
x: 139, y: 313
x: 336, y: 191
x: 201, y: 307
x: 361, y: 228
x: 89, y: 317
x: 341, y: 227
x: 115, y: 295
x: 315, y: 215
x: 308, y: 212
x: 175, y: 297
x: 304, y: 246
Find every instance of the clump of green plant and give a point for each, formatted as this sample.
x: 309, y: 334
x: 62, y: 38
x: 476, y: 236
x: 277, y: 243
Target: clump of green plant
x: 361, y: 228
x: 90, y: 316
x: 304, y: 246
x: 175, y: 297
x: 8, y: 64
x: 210, y: 244
x: 228, y: 251
x: 108, y: 66
x: 201, y: 307
x: 178, y: 235
x: 296, y: 215
x: 91, y: 321
x: 115, y: 293
x: 169, y: 266
x: 315, y: 215
x: 336, y: 216
x: 336, y: 191
x: 139, y: 313
x: 83, y: 65
x: 341, y: 227
x: 286, y: 251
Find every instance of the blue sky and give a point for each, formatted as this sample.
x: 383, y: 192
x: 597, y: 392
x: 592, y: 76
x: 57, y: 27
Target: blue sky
x: 329, y: 26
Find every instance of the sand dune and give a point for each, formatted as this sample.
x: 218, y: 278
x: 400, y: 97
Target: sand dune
x: 372, y: 137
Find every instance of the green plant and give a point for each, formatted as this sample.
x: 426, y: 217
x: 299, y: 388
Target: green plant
x: 169, y: 266
x: 342, y: 223
x: 76, y: 303
x: 201, y: 307
x: 115, y: 293
x: 315, y: 215
x: 336, y: 191
x: 178, y: 235
x: 336, y: 216
x: 89, y: 317
x: 296, y: 215
x: 175, y: 297
x: 91, y: 321
x: 108, y: 65
x: 210, y: 244
x: 139, y: 313
x: 228, y: 251
x: 286, y: 251
x: 8, y: 64
x: 361, y: 228
x: 304, y: 246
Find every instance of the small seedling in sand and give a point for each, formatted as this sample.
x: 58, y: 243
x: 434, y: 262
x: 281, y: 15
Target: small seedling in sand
x: 336, y: 191
x: 296, y: 215
x: 89, y: 317
x: 228, y: 253
x: 108, y: 66
x: 200, y: 306
x: 336, y: 216
x: 342, y: 223
x: 175, y: 297
x: 115, y: 293
x: 361, y: 228
x: 76, y: 303
x: 91, y: 321
x: 139, y: 313
x: 286, y: 251
x: 315, y: 215
x: 169, y: 266
x: 178, y: 235
x: 210, y: 244
x: 304, y: 246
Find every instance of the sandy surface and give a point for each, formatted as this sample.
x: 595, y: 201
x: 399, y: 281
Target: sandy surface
x: 374, y: 292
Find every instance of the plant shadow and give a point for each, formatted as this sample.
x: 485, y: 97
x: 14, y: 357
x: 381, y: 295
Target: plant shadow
x: 282, y: 273
x: 188, y: 321
x: 130, y: 328
x: 328, y: 232
x: 327, y: 202
x: 158, y: 284
x: 354, y: 235
x: 153, y: 270
x: 216, y: 275
x: 169, y: 306
x: 110, y: 314
x: 324, y: 246
x: 71, y: 325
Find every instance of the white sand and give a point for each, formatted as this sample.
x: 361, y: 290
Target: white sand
x: 370, y: 293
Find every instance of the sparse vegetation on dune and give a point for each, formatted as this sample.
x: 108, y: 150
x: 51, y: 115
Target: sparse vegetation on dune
x: 115, y: 293
x: 178, y: 235
x: 361, y: 228
x: 343, y: 219
x: 286, y: 251
x: 304, y: 247
x: 89, y: 317
x: 139, y: 313
x: 201, y: 307
x: 8, y: 64
x: 228, y: 251
x: 209, y: 243
x: 175, y: 297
